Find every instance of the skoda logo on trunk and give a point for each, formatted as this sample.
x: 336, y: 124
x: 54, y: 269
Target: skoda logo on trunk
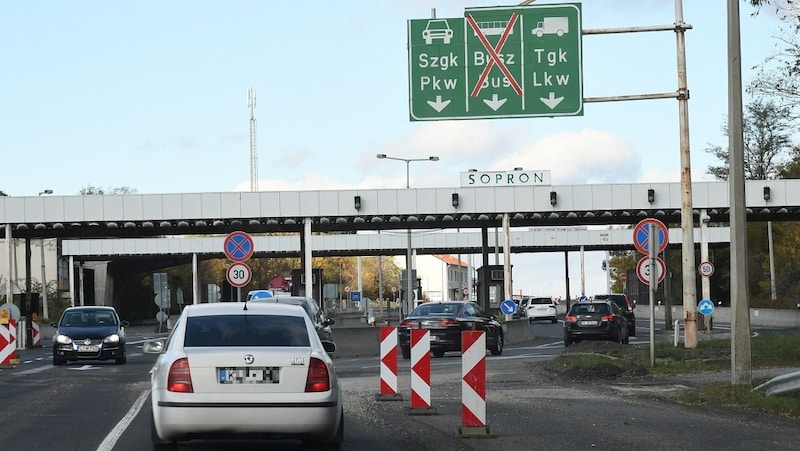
x: 249, y: 359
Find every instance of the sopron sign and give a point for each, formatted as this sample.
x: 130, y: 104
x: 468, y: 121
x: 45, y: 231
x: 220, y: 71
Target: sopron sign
x: 504, y: 178
x: 497, y: 62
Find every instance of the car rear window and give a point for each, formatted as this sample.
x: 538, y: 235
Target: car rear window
x: 585, y: 309
x: 246, y: 330
x: 436, y: 309
x: 541, y: 301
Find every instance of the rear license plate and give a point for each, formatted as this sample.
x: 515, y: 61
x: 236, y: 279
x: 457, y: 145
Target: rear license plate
x: 84, y: 348
x: 588, y: 323
x: 249, y: 375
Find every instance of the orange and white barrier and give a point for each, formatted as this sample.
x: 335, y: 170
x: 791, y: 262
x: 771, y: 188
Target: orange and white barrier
x: 421, y: 371
x: 389, y: 365
x: 473, y: 384
x: 8, y: 343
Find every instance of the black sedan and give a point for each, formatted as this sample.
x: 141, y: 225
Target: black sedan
x: 598, y: 320
x: 446, y: 320
x: 89, y: 333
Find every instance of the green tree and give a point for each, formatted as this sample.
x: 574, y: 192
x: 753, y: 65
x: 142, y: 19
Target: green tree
x: 96, y: 190
x: 766, y: 135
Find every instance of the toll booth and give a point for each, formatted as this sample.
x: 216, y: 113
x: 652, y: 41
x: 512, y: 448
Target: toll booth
x: 491, y: 287
x: 299, y: 284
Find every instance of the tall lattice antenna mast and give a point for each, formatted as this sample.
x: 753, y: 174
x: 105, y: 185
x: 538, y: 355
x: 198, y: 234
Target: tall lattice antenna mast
x: 251, y: 103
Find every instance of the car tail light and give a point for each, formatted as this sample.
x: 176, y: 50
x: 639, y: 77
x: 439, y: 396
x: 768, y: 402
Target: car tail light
x: 318, y: 379
x: 448, y: 322
x: 571, y: 318
x: 607, y: 318
x: 406, y: 323
x: 180, y: 377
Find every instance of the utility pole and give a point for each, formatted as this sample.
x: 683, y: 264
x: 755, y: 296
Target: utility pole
x: 251, y: 104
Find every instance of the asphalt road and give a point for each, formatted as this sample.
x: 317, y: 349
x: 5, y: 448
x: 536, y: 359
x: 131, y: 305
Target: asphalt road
x: 103, y: 406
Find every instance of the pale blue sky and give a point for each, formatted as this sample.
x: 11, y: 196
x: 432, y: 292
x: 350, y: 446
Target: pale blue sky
x: 152, y: 95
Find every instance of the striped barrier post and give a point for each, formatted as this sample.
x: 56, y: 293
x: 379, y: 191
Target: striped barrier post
x: 473, y: 385
x: 8, y: 343
x: 389, y: 365
x: 36, y: 336
x: 421, y: 372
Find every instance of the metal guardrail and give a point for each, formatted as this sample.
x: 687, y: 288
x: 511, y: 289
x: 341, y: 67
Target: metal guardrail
x: 781, y: 385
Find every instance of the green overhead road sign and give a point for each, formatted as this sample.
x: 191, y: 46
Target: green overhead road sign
x: 497, y: 62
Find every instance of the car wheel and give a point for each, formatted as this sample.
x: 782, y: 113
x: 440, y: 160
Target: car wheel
x: 632, y: 331
x: 405, y: 352
x: 333, y: 444
x: 158, y: 444
x: 567, y: 339
x: 121, y: 359
x: 497, y: 348
x: 58, y: 361
x: 554, y: 320
x: 438, y: 354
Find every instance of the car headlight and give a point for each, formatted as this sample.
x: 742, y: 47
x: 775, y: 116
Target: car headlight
x: 113, y: 338
x: 63, y: 339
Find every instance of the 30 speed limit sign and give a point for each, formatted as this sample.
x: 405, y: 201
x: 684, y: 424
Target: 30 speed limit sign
x: 643, y: 270
x: 239, y: 274
x: 706, y: 269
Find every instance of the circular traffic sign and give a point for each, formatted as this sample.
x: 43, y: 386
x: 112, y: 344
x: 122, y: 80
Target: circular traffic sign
x: 641, y: 235
x: 394, y: 289
x: 706, y: 307
x: 347, y: 288
x: 706, y: 269
x: 643, y: 270
x: 238, y: 247
x: 508, y: 307
x: 239, y: 274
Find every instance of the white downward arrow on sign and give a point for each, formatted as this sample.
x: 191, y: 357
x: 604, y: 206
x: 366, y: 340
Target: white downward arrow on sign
x: 551, y: 101
x: 495, y: 103
x: 438, y: 105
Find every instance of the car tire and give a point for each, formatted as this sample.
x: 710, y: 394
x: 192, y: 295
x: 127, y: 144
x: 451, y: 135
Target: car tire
x: 405, y: 352
x: 438, y: 354
x: 567, y: 340
x: 632, y: 332
x: 122, y: 358
x: 58, y: 361
x: 158, y: 444
x: 554, y: 320
x: 497, y: 348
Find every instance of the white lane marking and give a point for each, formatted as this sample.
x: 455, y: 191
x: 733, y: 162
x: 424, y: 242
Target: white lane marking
x: 112, y: 437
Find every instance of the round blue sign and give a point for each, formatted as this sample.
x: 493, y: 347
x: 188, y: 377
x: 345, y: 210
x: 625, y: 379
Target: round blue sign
x: 706, y: 307
x: 508, y: 307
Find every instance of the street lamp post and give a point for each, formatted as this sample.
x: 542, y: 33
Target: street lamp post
x: 45, y: 312
x: 409, y: 269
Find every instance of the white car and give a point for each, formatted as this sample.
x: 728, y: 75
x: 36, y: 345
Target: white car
x: 541, y: 308
x: 247, y: 370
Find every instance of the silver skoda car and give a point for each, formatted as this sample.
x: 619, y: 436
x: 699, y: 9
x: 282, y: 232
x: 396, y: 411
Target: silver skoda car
x: 245, y: 370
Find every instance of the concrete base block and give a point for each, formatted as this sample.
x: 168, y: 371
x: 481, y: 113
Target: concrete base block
x: 473, y: 432
x: 421, y: 411
x: 382, y: 397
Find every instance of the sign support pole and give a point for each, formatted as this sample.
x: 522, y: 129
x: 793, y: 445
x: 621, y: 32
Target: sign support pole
x: 653, y: 239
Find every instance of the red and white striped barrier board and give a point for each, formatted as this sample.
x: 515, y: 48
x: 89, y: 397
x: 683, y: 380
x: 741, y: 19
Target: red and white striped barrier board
x: 8, y: 343
x: 36, y: 336
x: 473, y: 384
x: 421, y: 371
x: 389, y: 365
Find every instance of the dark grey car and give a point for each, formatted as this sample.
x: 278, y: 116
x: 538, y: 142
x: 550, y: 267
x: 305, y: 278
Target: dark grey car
x: 89, y: 333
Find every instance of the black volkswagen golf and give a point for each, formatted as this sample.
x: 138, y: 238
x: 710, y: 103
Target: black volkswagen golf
x: 89, y: 333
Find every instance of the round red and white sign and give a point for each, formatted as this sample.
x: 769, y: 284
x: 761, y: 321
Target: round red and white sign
x: 643, y: 270
x: 706, y: 269
x: 239, y: 274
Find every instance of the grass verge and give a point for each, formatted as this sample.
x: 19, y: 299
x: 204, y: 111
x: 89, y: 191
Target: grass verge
x: 611, y: 361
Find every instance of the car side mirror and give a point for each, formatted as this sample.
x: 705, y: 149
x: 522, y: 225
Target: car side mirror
x: 125, y: 323
x: 153, y: 347
x: 329, y: 322
x: 329, y: 346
